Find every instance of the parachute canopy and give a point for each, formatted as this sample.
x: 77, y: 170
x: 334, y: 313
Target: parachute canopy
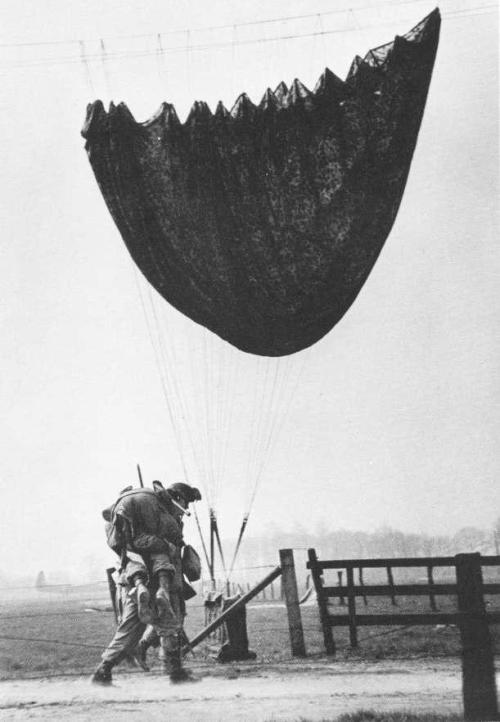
x: 263, y: 223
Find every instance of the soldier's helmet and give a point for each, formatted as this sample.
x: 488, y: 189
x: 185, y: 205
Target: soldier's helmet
x: 188, y: 493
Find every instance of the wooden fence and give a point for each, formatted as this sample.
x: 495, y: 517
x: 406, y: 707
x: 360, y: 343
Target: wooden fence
x: 286, y: 570
x: 471, y: 617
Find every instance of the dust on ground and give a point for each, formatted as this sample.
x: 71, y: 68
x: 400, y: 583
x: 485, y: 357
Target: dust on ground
x: 256, y: 693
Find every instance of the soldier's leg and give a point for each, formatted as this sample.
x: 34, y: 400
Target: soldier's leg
x: 149, y: 639
x: 126, y: 638
x: 137, y: 576
x: 172, y: 639
x: 164, y: 572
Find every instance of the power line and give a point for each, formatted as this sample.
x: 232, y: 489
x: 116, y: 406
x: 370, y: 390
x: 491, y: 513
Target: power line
x: 210, y: 28
x: 128, y: 54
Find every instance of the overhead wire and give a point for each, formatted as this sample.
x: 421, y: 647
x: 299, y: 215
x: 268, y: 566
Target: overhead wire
x: 249, y: 23
x: 190, y: 48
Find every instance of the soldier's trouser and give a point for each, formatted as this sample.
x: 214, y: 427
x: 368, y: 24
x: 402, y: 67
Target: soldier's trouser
x: 131, y: 629
x: 170, y: 633
x: 135, y: 565
x: 128, y: 633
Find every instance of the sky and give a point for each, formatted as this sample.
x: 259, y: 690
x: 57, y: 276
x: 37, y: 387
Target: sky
x: 391, y: 419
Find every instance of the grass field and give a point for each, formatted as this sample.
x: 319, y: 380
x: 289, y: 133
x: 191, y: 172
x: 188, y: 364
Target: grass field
x: 53, y: 633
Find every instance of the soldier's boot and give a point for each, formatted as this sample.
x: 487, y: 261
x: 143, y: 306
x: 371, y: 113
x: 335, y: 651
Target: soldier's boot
x: 143, y: 598
x: 162, y: 598
x: 172, y: 661
x: 102, y: 675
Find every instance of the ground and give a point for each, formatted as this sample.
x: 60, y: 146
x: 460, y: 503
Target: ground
x: 50, y: 641
x: 319, y: 690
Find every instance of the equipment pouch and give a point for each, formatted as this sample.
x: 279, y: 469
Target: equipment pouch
x: 191, y: 563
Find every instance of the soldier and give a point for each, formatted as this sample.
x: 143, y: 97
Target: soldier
x: 145, y: 527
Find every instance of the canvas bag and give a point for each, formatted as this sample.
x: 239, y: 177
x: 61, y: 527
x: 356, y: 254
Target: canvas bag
x: 191, y: 563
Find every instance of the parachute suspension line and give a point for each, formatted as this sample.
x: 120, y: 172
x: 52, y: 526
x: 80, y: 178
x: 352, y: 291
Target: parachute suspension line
x: 208, y: 406
x: 168, y: 382
x: 105, y: 68
x: 176, y: 405
x: 282, y: 375
x: 260, y: 426
x: 285, y: 366
x: 258, y: 414
x: 198, y: 386
x: 276, y: 431
x: 181, y: 417
x: 173, y: 399
x: 212, y: 546
x: 220, y: 383
x: 282, y: 386
x: 216, y: 397
x: 238, y: 543
x: 202, y: 538
x: 234, y: 43
x: 215, y: 389
x: 355, y: 19
x: 269, y: 410
x: 188, y: 63
x: 86, y: 67
x: 233, y: 366
x: 219, y: 545
x: 160, y: 60
x: 163, y: 379
x: 270, y: 415
x: 319, y: 39
x: 219, y: 390
x: 253, y: 422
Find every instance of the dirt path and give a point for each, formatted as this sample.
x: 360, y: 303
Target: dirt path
x: 255, y: 694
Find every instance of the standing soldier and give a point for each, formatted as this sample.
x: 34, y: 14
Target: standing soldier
x: 145, y: 528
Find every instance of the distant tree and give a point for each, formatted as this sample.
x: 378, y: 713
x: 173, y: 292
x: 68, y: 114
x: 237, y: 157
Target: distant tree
x: 470, y: 539
x: 40, y: 580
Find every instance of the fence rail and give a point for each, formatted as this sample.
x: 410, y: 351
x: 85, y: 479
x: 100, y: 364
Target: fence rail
x: 486, y: 561
x: 472, y: 617
x: 401, y: 590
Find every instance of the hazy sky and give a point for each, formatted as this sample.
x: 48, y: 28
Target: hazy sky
x: 394, y: 417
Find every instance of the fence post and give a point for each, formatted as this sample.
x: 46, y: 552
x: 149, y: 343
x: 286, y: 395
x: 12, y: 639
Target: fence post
x: 351, y: 603
x: 478, y: 670
x: 390, y: 580
x: 112, y: 592
x: 322, y: 603
x: 361, y: 584
x: 341, y: 599
x: 292, y: 602
x: 432, y: 597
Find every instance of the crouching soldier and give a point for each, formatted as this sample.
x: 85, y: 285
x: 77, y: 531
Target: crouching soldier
x: 145, y: 528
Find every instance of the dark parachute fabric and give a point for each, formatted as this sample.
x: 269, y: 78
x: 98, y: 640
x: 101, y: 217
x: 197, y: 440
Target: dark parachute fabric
x: 264, y: 222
